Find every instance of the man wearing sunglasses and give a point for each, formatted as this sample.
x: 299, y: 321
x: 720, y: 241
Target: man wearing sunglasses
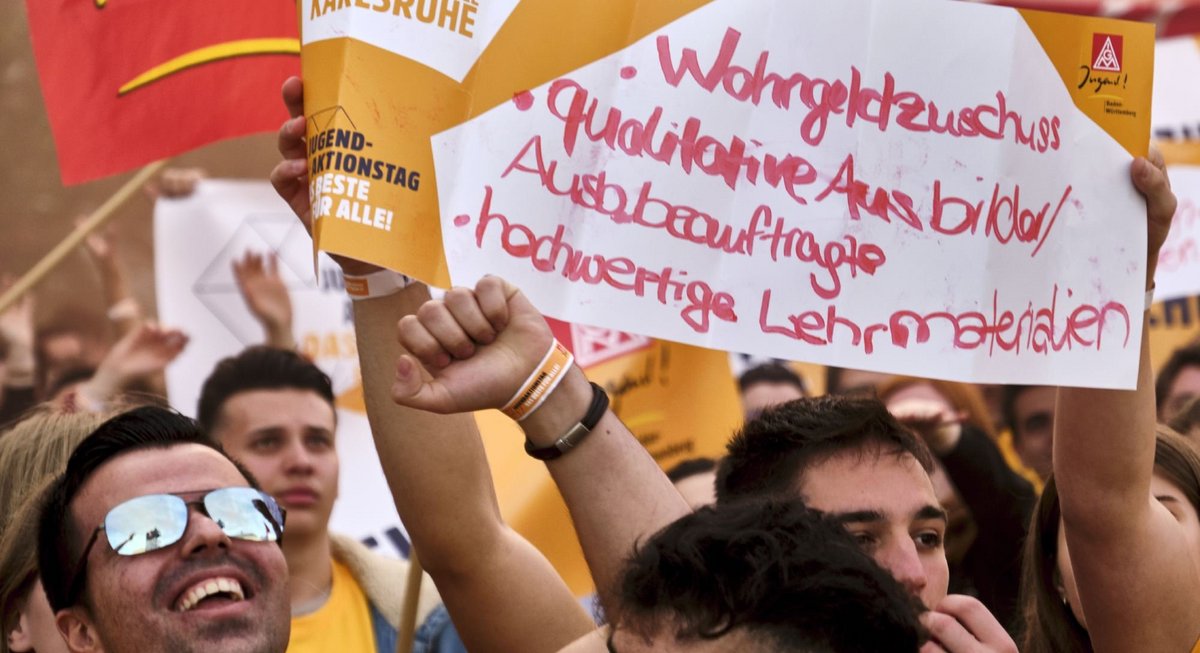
x: 154, y: 540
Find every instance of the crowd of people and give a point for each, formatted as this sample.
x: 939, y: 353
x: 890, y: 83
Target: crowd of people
x: 891, y: 513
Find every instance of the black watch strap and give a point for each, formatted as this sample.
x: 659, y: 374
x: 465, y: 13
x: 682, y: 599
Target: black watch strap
x: 577, y: 433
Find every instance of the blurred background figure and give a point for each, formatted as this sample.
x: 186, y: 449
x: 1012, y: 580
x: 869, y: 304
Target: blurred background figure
x: 1178, y: 382
x: 1187, y: 421
x: 767, y: 385
x: 1029, y: 413
x: 266, y: 297
x: 844, y: 381
x: 135, y: 364
x: 696, y: 480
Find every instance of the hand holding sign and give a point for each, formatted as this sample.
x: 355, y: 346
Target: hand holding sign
x: 290, y: 176
x: 1150, y: 177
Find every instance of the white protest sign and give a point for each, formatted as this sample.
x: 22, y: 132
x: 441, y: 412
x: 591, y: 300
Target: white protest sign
x: 1176, y: 95
x: 805, y: 180
x: 1178, y: 272
x: 196, y: 240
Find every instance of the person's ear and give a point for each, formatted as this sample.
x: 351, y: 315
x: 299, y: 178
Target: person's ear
x: 77, y: 630
x: 19, y: 638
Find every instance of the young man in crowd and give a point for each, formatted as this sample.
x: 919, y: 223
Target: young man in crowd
x: 848, y: 457
x: 154, y: 540
x: 273, y: 411
x: 851, y: 458
x: 1029, y: 411
x: 703, y: 584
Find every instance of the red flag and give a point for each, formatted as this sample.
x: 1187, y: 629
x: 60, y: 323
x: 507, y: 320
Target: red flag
x: 127, y: 82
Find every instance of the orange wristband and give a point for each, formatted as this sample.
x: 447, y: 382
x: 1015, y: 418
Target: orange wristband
x: 545, y: 378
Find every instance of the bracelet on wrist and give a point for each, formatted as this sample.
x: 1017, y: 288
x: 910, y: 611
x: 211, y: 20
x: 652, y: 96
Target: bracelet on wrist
x: 544, y: 379
x: 575, y: 434
x: 376, y: 284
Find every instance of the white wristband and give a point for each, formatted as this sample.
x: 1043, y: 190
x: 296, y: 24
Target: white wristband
x: 376, y: 284
x: 1149, y: 298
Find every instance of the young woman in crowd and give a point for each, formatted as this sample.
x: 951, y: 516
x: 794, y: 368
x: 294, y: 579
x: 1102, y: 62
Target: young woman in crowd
x: 1053, y: 616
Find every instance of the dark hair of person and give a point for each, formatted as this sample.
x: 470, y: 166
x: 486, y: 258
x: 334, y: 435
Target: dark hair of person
x: 787, y: 576
x: 771, y: 373
x: 1050, y: 626
x: 769, y: 455
x: 258, y: 368
x: 1187, y: 419
x: 690, y: 467
x: 60, y: 541
x: 1188, y: 356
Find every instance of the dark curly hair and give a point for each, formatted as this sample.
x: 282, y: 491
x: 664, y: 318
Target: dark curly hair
x: 785, y: 575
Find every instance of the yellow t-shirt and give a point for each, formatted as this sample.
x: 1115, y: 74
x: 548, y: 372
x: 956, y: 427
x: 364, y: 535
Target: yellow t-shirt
x: 343, y: 624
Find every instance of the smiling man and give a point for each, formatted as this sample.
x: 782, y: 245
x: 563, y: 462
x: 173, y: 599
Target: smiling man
x: 273, y: 411
x: 154, y: 540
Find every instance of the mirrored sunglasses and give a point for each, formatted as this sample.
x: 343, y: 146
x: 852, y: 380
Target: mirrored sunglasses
x: 151, y: 522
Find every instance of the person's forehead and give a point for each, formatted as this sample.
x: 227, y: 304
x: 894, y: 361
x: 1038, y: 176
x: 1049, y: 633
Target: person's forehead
x: 775, y: 388
x: 1161, y: 487
x: 873, y: 479
x: 918, y: 391
x: 860, y: 381
x: 1187, y: 382
x: 1035, y: 399
x: 178, y: 468
x: 256, y: 410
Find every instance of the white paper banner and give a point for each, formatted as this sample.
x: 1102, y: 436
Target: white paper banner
x: 1178, y: 273
x: 703, y: 186
x: 1176, y: 112
x: 196, y: 240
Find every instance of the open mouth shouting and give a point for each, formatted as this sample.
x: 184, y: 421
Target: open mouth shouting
x: 213, y: 592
